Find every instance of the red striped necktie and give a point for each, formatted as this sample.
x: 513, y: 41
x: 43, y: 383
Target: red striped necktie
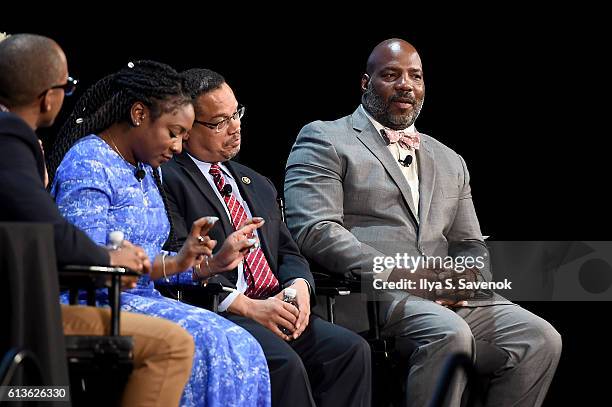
x: 261, y: 282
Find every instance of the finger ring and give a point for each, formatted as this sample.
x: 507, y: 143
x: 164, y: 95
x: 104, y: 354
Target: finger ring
x: 200, y: 239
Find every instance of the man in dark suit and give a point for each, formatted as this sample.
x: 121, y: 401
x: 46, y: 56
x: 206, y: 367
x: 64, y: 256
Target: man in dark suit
x: 311, y: 361
x: 33, y: 81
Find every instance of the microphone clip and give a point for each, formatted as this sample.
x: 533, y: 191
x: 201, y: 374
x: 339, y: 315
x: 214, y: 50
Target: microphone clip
x: 406, y: 161
x: 140, y: 173
x: 227, y: 190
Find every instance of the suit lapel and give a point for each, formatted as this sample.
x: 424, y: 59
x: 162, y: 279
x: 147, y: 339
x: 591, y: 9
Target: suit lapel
x: 256, y: 206
x: 367, y: 134
x: 427, y: 177
x: 196, y: 176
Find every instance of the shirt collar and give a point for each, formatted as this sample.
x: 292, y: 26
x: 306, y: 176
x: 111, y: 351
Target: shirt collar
x: 379, y: 126
x: 205, y: 166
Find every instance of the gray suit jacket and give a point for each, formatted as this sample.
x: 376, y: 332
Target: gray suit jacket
x: 347, y: 200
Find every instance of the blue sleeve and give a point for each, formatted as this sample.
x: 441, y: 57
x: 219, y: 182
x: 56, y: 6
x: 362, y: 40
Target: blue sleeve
x: 83, y: 194
x: 182, y: 278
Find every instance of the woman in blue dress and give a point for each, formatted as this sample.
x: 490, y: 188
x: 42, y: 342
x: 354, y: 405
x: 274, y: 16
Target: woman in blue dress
x: 120, y: 131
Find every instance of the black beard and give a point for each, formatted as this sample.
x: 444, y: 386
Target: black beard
x: 379, y: 109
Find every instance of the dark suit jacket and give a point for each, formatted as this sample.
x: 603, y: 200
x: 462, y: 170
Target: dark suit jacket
x: 23, y: 197
x: 190, y: 197
x: 29, y: 287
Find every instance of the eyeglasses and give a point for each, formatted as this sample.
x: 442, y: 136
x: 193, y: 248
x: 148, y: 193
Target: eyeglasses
x: 69, y: 87
x: 222, y: 125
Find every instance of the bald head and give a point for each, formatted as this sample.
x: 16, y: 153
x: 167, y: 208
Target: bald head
x: 393, y: 87
x: 29, y: 64
x: 389, y: 50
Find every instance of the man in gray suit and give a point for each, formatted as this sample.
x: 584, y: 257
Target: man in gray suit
x: 368, y: 193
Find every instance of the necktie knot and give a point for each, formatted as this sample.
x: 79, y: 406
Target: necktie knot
x: 215, y: 170
x: 216, y: 173
x: 404, y: 138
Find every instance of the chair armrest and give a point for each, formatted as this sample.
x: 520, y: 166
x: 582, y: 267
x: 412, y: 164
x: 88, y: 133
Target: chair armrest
x: 75, y: 277
x: 85, y: 277
x: 329, y: 284
x: 75, y: 270
x: 197, y: 293
x: 333, y: 291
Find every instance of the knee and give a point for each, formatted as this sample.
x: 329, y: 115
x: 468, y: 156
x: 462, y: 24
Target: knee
x: 347, y: 345
x: 458, y: 338
x: 180, y: 343
x: 361, y: 349
x: 354, y: 348
x: 172, y: 341
x: 548, y: 342
x: 286, y: 364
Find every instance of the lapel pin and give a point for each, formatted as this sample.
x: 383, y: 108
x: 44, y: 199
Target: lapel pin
x: 246, y: 180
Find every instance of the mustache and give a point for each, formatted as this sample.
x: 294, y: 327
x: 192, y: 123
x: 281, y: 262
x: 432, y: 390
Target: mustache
x: 232, y: 140
x: 403, y: 97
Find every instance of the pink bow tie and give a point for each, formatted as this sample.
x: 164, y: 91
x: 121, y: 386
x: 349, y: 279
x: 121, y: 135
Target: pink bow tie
x: 404, y: 138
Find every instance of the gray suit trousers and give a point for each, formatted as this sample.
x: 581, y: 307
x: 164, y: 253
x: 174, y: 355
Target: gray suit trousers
x: 532, y: 345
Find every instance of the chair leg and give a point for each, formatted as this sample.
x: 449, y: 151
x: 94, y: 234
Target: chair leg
x: 331, y: 302
x: 91, y: 297
x: 73, y: 294
x: 11, y: 362
x: 115, y: 303
x: 373, y: 319
x: 215, y: 304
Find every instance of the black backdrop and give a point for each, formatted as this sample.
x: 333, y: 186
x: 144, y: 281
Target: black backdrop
x: 516, y: 97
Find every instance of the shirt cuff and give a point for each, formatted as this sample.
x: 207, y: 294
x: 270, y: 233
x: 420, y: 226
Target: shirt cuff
x: 225, y: 304
x: 290, y: 282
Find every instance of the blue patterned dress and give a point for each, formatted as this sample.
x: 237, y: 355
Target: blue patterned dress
x: 96, y: 190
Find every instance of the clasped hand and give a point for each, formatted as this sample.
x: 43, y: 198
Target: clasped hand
x: 442, y: 285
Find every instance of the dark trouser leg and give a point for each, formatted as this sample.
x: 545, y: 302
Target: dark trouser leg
x: 288, y: 377
x: 338, y: 363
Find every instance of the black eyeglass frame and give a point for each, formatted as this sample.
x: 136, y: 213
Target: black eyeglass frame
x: 238, y: 114
x: 69, y: 87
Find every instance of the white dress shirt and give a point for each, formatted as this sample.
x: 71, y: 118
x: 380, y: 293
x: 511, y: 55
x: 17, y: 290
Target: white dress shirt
x: 411, y: 173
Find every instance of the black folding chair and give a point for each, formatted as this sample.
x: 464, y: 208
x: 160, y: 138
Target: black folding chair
x: 99, y: 366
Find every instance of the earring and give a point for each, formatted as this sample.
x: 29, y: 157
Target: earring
x: 137, y: 124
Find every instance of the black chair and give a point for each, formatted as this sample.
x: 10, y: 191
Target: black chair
x: 388, y: 353
x: 33, y: 347
x: 29, y: 306
x: 386, y: 366
x: 16, y: 358
x: 199, y: 294
x: 99, y: 366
